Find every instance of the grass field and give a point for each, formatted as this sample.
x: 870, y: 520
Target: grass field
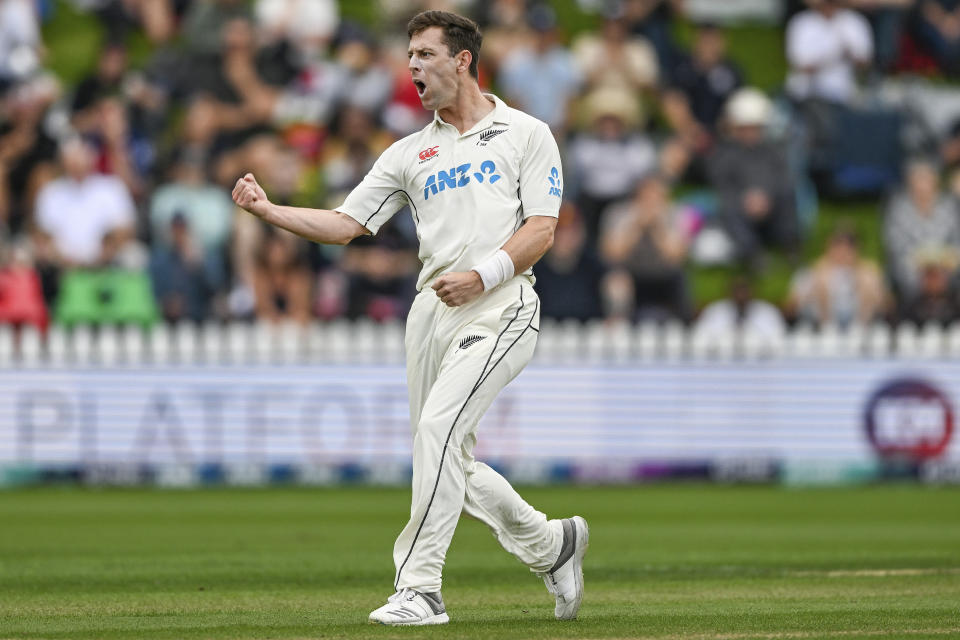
x: 665, y: 562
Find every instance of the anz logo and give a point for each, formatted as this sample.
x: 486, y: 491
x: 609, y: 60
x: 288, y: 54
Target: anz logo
x: 556, y: 183
x: 460, y: 177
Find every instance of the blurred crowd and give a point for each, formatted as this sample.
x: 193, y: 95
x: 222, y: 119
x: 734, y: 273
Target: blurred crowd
x: 114, y: 190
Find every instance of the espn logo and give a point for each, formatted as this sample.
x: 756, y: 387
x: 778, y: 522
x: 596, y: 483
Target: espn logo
x: 426, y: 154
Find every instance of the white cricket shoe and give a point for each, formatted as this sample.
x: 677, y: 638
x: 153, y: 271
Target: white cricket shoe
x: 409, y: 607
x: 565, y: 578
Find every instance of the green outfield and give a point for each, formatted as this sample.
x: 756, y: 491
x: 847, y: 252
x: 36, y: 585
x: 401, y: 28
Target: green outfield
x: 665, y: 562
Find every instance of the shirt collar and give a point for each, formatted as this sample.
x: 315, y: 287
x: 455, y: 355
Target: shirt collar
x: 499, y: 115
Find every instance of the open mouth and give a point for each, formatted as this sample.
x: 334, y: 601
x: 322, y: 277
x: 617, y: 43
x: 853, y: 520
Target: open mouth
x: 421, y: 87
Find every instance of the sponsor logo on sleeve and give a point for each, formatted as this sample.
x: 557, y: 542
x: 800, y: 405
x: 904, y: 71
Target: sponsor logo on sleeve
x: 556, y: 183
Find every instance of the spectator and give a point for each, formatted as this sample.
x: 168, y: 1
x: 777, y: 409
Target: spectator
x: 700, y: 84
x: 381, y: 275
x: 85, y: 219
x: 826, y: 44
x: 613, y: 59
x: 606, y: 160
x: 570, y: 275
x: 541, y: 78
x: 757, y: 199
x: 158, y: 18
x: 646, y: 241
x: 21, y: 47
x: 938, y: 30
x: 842, y: 288
x: 307, y: 25
x: 282, y: 281
x: 205, y: 212
x: 652, y: 19
x: 180, y: 280
x: 887, y: 19
x: 937, y: 300
x: 919, y: 218
x: 741, y: 312
x: 27, y: 151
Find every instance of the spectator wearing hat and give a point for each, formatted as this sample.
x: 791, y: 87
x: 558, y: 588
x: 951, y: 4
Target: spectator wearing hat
x: 937, y: 299
x: 541, y: 77
x: 570, y: 275
x: 757, y: 199
x: 918, y: 218
x: 610, y: 154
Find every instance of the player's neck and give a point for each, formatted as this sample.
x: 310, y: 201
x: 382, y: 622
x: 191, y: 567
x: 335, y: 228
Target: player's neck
x: 469, y: 107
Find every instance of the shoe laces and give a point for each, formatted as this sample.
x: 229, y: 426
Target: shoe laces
x: 403, y: 594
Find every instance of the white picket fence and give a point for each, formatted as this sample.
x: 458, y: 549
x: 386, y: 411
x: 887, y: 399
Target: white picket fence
x: 367, y: 342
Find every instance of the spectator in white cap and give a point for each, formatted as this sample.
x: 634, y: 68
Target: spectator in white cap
x: 750, y: 173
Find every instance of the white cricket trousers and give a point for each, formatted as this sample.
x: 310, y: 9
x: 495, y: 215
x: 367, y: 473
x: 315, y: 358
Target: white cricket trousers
x: 458, y: 360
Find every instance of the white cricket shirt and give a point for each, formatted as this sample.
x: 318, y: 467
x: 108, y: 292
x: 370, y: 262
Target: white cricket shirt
x: 468, y: 193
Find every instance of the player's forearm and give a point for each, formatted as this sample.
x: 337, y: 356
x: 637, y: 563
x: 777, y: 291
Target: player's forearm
x: 317, y: 225
x: 530, y: 242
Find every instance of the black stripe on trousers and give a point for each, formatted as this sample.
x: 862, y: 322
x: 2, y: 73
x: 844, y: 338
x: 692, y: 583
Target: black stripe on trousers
x: 484, y: 374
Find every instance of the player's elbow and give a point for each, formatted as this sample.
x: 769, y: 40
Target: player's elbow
x: 547, y: 239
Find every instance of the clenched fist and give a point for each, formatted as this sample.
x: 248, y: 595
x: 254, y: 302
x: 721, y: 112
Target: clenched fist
x: 250, y: 196
x: 458, y: 288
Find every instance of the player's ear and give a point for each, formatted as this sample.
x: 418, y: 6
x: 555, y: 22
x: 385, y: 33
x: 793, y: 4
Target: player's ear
x: 464, y: 58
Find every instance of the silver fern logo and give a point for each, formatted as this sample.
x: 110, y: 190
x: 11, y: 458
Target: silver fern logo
x: 488, y: 135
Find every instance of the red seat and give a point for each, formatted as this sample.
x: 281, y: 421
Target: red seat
x: 21, y: 297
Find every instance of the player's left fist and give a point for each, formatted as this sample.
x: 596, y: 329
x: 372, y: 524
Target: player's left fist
x: 458, y: 288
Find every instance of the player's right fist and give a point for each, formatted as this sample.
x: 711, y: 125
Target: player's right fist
x: 250, y: 196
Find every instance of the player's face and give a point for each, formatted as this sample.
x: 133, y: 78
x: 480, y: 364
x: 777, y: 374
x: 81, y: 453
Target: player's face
x: 432, y: 69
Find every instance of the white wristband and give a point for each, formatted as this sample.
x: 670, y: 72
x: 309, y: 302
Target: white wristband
x: 495, y: 270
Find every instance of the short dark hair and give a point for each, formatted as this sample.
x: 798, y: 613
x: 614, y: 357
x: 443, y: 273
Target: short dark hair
x: 459, y: 33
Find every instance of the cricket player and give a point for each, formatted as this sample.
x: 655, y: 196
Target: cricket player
x: 483, y: 182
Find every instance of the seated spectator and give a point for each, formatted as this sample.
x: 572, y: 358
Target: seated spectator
x: 607, y: 158
x: 206, y: 213
x: 699, y: 86
x: 28, y: 152
x: 85, y: 219
x: 381, y: 274
x: 887, y: 18
x: 613, y: 59
x: 652, y: 19
x: 645, y: 241
x: 842, y: 288
x: 180, y: 282
x: 741, y: 312
x: 937, y: 28
x: 569, y: 276
x: 918, y: 218
x: 282, y: 281
x: 21, y: 46
x: 308, y: 25
x: 826, y: 44
x: 937, y: 299
x: 754, y: 185
x: 158, y: 18
x: 541, y: 78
